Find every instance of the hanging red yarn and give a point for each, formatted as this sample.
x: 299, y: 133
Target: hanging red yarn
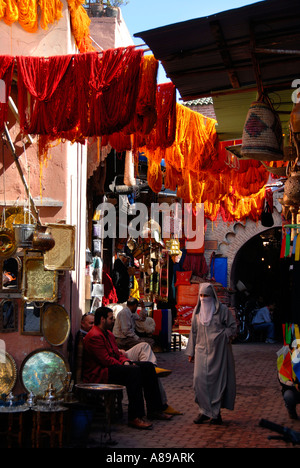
x: 47, y: 95
x: 6, y: 72
x: 113, y: 85
x: 75, y: 96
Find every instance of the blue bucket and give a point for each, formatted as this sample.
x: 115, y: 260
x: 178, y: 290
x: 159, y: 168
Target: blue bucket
x: 81, y: 422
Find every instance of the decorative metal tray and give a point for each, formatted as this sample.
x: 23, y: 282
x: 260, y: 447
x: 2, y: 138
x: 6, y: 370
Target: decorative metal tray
x: 41, y: 368
x: 62, y: 255
x: 40, y: 285
x: 55, y: 324
x: 8, y: 372
x: 99, y: 387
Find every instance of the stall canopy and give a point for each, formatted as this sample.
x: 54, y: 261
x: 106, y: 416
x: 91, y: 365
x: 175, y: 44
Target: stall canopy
x: 226, y: 54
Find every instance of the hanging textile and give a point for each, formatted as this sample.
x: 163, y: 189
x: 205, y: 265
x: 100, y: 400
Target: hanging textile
x: 113, y: 86
x: 75, y: 96
x: 146, y: 114
x: 51, y: 11
x: 6, y: 72
x: 28, y: 15
x: 80, y: 23
x: 47, y: 95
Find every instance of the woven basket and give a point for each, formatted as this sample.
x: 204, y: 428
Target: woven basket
x: 262, y: 133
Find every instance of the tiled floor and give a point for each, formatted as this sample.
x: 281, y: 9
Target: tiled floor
x: 258, y: 397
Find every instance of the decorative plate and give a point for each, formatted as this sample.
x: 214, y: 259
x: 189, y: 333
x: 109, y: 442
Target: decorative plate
x: 41, y: 368
x: 8, y: 372
x: 55, y: 324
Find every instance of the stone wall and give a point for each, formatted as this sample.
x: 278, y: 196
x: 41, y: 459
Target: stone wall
x: 230, y: 237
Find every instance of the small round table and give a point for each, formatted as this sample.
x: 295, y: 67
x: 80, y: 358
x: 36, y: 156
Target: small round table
x: 109, y: 393
x: 15, y: 423
x: 50, y: 422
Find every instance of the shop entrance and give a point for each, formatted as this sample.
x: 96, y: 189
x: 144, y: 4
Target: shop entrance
x: 256, y: 265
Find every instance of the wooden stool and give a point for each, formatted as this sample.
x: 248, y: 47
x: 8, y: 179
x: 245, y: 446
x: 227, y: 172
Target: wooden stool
x: 176, y: 341
x: 14, y: 426
x: 48, y: 423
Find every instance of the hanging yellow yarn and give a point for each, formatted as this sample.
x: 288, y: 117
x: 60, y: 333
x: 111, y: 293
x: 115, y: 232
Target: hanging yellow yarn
x: 11, y: 12
x: 80, y: 22
x: 51, y: 11
x: 28, y: 17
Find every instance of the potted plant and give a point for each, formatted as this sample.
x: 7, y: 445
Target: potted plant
x: 95, y: 8
x: 112, y: 7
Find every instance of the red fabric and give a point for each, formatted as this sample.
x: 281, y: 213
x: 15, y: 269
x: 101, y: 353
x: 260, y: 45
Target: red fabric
x: 187, y: 295
x: 75, y: 95
x: 100, y: 352
x: 113, y: 85
x: 163, y: 133
x: 183, y: 277
x: 196, y: 263
x: 157, y: 317
x: 6, y: 72
x: 52, y: 104
x: 110, y: 295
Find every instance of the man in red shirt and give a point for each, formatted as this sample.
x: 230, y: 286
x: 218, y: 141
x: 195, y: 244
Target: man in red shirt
x: 103, y: 363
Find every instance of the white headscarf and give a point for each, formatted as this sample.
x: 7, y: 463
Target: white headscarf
x: 208, y: 303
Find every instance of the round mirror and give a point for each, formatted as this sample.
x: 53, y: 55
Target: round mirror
x: 41, y: 368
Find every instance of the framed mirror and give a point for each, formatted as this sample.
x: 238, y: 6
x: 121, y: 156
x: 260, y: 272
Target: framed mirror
x: 8, y: 316
x: 41, y: 368
x: 31, y: 318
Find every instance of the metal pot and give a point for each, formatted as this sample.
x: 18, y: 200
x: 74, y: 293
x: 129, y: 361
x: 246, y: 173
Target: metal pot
x: 24, y: 235
x: 42, y: 240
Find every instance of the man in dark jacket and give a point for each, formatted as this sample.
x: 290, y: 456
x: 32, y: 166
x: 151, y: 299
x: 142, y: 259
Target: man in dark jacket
x: 120, y: 277
x: 103, y: 363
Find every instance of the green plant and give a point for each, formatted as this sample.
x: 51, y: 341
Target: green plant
x: 116, y: 3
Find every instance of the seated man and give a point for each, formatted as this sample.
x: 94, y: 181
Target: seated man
x: 87, y: 322
x: 263, y: 321
x: 103, y: 363
x: 124, y: 327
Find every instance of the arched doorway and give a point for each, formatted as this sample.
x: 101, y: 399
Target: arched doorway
x: 256, y: 264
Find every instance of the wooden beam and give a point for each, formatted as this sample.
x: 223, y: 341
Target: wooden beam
x: 224, y: 52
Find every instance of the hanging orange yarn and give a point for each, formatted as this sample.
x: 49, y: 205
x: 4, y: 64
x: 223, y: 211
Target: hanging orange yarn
x: 51, y: 11
x: 154, y: 176
x: 28, y: 16
x: 2, y: 8
x: 80, y: 22
x: 11, y: 12
x: 145, y: 114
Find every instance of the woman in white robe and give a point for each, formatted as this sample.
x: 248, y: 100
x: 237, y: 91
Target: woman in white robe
x: 209, y: 347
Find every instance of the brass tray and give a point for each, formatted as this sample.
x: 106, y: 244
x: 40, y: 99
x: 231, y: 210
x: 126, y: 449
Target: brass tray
x: 40, y: 285
x: 8, y: 245
x: 41, y: 368
x: 8, y: 372
x: 99, y: 387
x: 55, y: 324
x: 62, y: 255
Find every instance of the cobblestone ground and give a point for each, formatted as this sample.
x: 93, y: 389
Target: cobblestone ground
x: 258, y: 396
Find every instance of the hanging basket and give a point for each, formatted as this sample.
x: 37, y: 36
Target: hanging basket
x: 292, y: 188
x: 262, y: 134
